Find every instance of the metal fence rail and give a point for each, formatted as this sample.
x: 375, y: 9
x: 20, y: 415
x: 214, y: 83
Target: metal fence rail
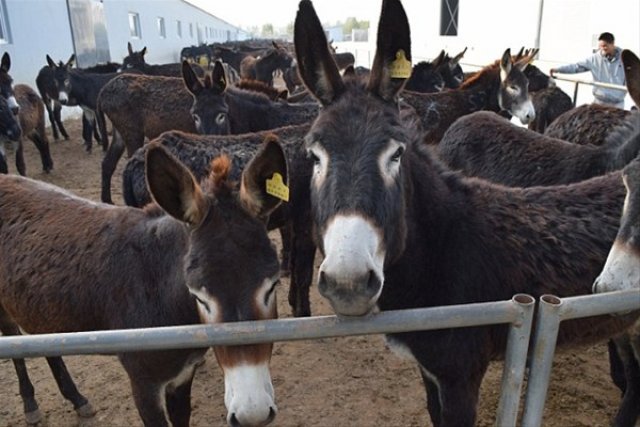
x: 578, y: 82
x: 518, y: 312
x: 551, y: 311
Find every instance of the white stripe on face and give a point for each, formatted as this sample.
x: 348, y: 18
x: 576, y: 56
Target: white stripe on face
x: 389, y: 162
x: 207, y: 306
x: 320, y: 166
x: 621, y: 271
x: 352, y: 247
x: 12, y: 102
x: 248, y: 394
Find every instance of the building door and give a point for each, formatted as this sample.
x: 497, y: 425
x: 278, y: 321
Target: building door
x: 89, y: 32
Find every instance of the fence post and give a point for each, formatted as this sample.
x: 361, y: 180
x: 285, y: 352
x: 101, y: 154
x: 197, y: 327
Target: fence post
x: 515, y: 361
x: 542, y: 351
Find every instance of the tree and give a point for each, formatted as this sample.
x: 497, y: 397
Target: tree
x: 267, y: 30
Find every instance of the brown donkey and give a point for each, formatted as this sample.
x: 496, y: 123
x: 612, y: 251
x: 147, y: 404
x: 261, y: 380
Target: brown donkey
x: 142, y: 106
x: 120, y: 267
x: 32, y: 122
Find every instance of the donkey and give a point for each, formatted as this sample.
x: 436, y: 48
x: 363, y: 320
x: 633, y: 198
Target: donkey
x: 261, y: 68
x: 240, y: 111
x: 486, y: 145
x: 45, y: 82
x: 135, y: 61
x: 77, y: 87
x: 497, y: 87
x: 399, y: 230
x: 183, y: 255
x: 587, y: 124
x: 31, y: 118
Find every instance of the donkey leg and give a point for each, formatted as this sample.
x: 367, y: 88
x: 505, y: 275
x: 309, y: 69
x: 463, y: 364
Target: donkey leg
x: 616, y: 366
x: 285, y: 236
x: 57, y: 110
x: 52, y: 120
x: 629, y: 409
x: 109, y: 163
x: 22, y: 169
x: 43, y: 149
x: 433, y: 398
x: 68, y: 388
x: 3, y: 160
x: 302, y: 257
x: 179, y: 403
x: 150, y: 402
x: 27, y: 393
x: 87, y: 132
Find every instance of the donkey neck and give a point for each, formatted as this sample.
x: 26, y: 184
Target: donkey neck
x: 624, y: 143
x: 85, y: 87
x: 481, y: 91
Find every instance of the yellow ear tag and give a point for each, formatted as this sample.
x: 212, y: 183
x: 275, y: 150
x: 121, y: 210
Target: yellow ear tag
x: 277, y: 188
x: 400, y: 68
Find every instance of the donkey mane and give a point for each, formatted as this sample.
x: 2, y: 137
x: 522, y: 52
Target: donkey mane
x: 484, y: 73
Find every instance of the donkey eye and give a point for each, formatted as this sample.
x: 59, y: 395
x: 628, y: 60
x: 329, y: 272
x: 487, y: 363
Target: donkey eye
x: 220, y: 118
x: 313, y: 157
x: 196, y: 119
x: 267, y: 295
x: 396, y: 156
x: 203, y: 303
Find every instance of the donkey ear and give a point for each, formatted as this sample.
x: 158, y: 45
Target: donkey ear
x: 316, y: 66
x: 6, y: 62
x: 71, y: 61
x: 632, y: 74
x: 520, y: 54
x: 261, y: 190
x: 191, y: 81
x: 143, y: 52
x: 173, y: 187
x: 505, y: 65
x: 392, y: 62
x: 51, y: 62
x: 456, y: 59
x: 349, y: 71
x: 436, y: 62
x: 218, y: 77
x: 130, y: 48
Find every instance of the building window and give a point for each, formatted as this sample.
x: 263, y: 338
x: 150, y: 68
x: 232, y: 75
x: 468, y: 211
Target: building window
x: 191, y: 29
x: 449, y: 17
x: 134, y: 25
x: 179, y: 28
x: 4, y: 24
x: 161, y: 30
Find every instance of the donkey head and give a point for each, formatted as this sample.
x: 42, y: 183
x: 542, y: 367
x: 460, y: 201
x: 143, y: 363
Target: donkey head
x: 209, y: 109
x: 9, y: 126
x: 6, y: 83
x: 135, y: 60
x: 356, y: 144
x: 231, y: 267
x: 622, y: 268
x: 425, y: 76
x: 513, y: 94
x: 61, y: 80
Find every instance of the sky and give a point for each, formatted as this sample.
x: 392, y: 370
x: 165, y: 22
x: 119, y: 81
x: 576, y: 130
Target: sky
x: 248, y: 13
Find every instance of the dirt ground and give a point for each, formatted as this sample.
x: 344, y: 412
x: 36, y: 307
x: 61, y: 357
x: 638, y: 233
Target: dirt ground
x: 352, y: 381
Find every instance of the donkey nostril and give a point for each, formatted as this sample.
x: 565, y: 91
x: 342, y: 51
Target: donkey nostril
x: 373, y: 284
x: 272, y: 415
x: 15, y: 110
x: 233, y: 421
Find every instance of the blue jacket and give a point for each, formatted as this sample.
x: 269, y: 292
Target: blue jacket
x: 604, y: 70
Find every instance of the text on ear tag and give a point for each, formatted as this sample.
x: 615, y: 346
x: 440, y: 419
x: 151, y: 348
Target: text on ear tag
x: 277, y: 188
x: 400, y: 68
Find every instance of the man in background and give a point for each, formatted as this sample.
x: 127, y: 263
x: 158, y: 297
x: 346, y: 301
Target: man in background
x: 606, y: 67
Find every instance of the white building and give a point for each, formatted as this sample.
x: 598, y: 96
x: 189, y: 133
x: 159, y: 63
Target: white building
x: 98, y: 31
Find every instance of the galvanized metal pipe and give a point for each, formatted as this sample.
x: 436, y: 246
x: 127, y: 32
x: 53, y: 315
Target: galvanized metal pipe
x: 171, y: 337
x: 545, y: 337
x: 515, y: 363
x: 551, y: 311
